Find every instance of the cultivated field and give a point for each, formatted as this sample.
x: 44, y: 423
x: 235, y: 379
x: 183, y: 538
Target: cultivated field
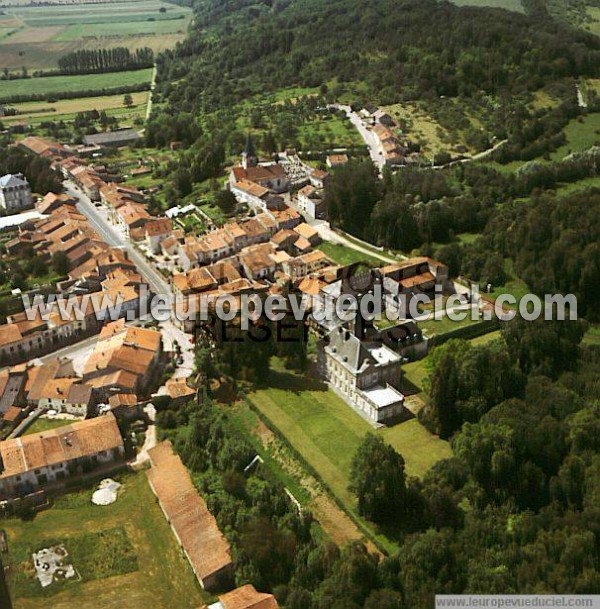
x: 125, y: 554
x: 67, y: 109
x: 36, y: 36
x: 47, y: 85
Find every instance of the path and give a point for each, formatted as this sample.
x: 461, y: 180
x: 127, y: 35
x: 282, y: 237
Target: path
x: 151, y: 93
x: 328, y: 234
x: 580, y: 100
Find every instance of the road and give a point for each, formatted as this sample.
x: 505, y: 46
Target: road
x: 114, y: 238
x: 370, y: 139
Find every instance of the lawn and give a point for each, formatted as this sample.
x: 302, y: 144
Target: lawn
x: 344, y: 255
x: 436, y: 327
x: 329, y: 133
x: 592, y: 336
x: 44, y: 424
x: 47, y: 85
x: 129, y: 542
x: 327, y: 432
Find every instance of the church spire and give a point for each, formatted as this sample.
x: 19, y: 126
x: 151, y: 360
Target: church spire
x: 249, y: 158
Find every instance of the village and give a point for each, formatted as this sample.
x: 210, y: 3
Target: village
x: 101, y: 376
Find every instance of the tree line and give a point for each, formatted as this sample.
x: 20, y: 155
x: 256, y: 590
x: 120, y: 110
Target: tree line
x: 118, y: 59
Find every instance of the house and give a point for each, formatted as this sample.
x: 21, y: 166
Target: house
x: 179, y: 391
x: 195, y: 528
x: 112, y: 139
x: 156, y: 231
x: 251, y: 193
x: 130, y: 349
x: 15, y: 193
x: 309, y: 233
x: 52, y: 202
x: 245, y: 597
x: 257, y: 262
x: 363, y: 373
x: 194, y: 281
x: 305, y: 264
x: 383, y: 118
x: 31, y: 463
x: 336, y: 160
x: 125, y: 406
x: 311, y: 202
x: 319, y: 178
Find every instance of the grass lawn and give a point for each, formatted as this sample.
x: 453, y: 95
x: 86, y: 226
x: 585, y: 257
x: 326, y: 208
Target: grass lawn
x: 43, y: 424
x: 435, y: 327
x: 329, y: 133
x: 125, y: 554
x: 46, y: 85
x: 344, y: 255
x: 582, y: 133
x: 326, y: 431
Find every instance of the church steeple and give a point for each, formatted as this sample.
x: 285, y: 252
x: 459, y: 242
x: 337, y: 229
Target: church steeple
x: 249, y: 158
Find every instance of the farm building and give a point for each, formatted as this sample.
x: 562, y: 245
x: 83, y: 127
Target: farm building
x: 194, y: 526
x: 112, y: 139
x: 245, y: 597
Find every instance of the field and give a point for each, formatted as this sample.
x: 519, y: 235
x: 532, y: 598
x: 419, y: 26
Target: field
x: 581, y: 134
x: 327, y: 432
x: 36, y: 36
x: 36, y: 112
x: 509, y: 5
x: 47, y: 85
x: 594, y: 23
x: 126, y: 554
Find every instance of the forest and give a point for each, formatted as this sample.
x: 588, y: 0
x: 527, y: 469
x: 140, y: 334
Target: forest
x: 396, y: 49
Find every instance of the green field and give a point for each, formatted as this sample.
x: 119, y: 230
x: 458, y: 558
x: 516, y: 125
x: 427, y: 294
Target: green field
x: 66, y: 110
x: 326, y: 431
x: 37, y: 36
x: 98, y: 30
x: 582, y: 133
x: 47, y: 85
x: 509, y: 5
x: 125, y: 554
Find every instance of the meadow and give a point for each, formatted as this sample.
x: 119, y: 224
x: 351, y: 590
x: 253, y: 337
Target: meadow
x: 321, y: 427
x: 66, y: 109
x: 125, y: 554
x: 36, y: 36
x: 47, y: 85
